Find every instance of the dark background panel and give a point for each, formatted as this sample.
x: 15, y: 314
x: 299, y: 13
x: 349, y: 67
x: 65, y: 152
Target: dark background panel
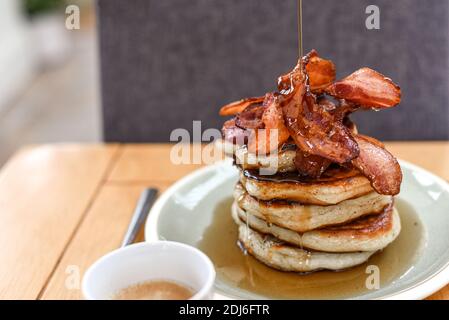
x: 167, y: 63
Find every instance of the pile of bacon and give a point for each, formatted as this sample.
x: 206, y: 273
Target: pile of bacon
x: 312, y: 110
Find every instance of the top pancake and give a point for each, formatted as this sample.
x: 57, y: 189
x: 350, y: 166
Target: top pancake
x: 334, y: 186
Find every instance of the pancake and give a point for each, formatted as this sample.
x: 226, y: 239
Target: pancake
x: 284, y: 257
x: 298, y: 217
x: 284, y: 160
x: 369, y: 233
x: 334, y: 186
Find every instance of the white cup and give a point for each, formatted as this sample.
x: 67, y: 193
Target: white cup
x: 161, y: 260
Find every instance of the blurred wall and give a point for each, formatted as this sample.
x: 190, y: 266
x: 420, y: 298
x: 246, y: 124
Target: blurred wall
x: 17, y: 63
x: 166, y: 63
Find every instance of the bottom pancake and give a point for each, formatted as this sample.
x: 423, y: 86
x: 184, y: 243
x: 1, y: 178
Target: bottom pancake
x: 369, y: 233
x: 280, y: 256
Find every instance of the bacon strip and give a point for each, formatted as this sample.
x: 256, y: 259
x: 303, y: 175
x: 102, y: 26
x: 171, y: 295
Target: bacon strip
x: 238, y: 106
x: 234, y: 134
x: 368, y: 88
x: 274, y: 134
x: 378, y: 165
x: 251, y: 117
x: 309, y: 165
x: 314, y: 130
x: 372, y: 140
x: 321, y: 72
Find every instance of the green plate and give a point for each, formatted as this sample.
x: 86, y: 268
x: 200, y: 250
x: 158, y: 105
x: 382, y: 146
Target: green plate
x: 185, y: 212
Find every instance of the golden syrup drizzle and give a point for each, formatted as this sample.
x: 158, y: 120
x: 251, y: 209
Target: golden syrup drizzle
x: 300, y: 47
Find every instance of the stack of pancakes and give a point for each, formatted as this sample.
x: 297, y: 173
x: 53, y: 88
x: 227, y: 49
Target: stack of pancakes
x: 299, y: 224
x: 313, y: 193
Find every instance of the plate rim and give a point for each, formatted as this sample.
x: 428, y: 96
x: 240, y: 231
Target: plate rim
x: 417, y: 291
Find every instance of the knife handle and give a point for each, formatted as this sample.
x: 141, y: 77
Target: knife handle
x: 141, y: 211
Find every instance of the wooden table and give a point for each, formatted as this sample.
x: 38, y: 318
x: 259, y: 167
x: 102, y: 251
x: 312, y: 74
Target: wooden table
x: 64, y: 206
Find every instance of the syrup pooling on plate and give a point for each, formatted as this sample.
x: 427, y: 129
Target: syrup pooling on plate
x: 242, y: 275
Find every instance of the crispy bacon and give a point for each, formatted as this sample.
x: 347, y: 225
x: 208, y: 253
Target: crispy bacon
x: 372, y: 140
x: 274, y: 133
x: 234, y: 134
x: 320, y: 128
x: 238, y: 106
x: 314, y: 130
x: 368, y: 88
x: 321, y: 72
x: 350, y: 125
x: 378, y: 165
x: 327, y: 104
x: 343, y: 110
x: 310, y: 165
x: 251, y: 117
